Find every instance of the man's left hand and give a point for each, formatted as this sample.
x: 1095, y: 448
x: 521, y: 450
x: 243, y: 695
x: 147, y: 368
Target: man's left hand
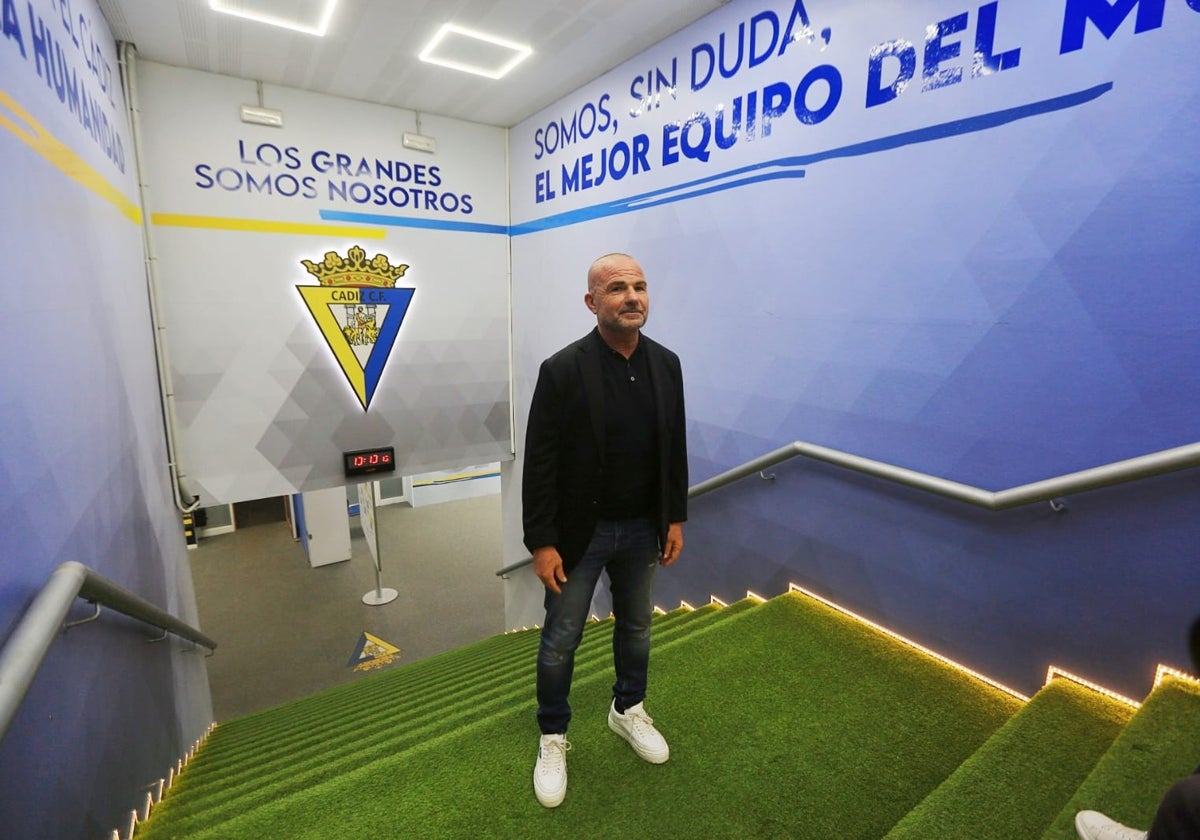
x: 670, y: 552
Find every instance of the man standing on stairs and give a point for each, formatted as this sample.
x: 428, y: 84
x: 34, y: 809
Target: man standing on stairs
x: 604, y: 489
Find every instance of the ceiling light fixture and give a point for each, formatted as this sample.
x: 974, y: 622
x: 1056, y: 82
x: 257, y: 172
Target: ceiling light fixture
x: 450, y: 40
x: 263, y: 11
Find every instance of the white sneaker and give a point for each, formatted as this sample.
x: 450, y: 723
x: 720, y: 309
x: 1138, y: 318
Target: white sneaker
x: 1092, y: 825
x: 550, y: 772
x: 636, y: 727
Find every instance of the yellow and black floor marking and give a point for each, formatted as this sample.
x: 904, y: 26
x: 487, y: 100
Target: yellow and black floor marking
x: 189, y: 529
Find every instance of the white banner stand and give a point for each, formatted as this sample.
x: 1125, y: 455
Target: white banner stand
x: 366, y: 518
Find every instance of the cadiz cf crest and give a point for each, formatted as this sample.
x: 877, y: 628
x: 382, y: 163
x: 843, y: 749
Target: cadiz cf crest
x: 359, y: 311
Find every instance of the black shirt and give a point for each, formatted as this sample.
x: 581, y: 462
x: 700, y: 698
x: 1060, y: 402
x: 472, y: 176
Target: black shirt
x: 629, y: 478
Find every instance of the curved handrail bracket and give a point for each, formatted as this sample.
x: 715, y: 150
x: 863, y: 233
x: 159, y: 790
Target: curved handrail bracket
x: 95, y: 615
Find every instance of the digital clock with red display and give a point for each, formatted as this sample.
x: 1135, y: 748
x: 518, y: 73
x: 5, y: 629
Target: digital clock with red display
x: 366, y: 461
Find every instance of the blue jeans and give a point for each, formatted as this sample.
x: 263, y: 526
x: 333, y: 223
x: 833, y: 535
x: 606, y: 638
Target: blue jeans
x: 628, y: 550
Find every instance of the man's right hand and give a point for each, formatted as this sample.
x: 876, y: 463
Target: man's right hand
x: 548, y: 566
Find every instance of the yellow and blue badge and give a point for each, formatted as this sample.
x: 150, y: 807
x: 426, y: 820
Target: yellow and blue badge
x: 372, y: 652
x: 359, y: 310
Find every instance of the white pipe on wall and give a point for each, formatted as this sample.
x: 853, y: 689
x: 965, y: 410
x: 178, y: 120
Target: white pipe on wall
x: 128, y: 62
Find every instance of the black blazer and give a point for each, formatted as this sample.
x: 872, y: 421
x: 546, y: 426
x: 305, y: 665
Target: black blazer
x: 564, y: 446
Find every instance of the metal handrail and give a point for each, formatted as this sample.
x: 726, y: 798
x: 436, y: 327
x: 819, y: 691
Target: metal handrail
x: 1118, y: 472
x: 512, y: 567
x: 26, y: 648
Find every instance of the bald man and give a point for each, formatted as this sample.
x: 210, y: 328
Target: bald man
x: 604, y: 489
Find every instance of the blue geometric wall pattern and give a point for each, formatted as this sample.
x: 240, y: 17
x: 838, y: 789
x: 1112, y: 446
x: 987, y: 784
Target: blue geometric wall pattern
x: 83, y: 464
x: 1006, y: 293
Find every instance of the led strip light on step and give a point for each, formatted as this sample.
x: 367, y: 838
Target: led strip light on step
x: 1054, y: 672
x: 792, y: 587
x: 1165, y: 671
x: 136, y: 816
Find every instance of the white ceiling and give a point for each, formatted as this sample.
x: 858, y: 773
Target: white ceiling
x: 370, y: 51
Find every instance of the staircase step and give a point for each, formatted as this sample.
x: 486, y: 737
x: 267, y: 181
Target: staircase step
x: 295, y: 767
x: 253, y: 725
x: 304, y: 729
x: 773, y: 715
x: 1017, y: 782
x: 493, y: 653
x: 1159, y: 745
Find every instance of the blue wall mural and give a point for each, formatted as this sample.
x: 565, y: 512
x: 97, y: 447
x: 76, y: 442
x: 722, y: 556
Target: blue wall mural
x: 83, y: 465
x: 958, y: 240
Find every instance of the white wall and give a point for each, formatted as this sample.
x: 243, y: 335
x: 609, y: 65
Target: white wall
x: 264, y: 407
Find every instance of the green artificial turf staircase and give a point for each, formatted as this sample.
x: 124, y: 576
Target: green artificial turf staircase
x: 785, y: 719
x: 1158, y: 746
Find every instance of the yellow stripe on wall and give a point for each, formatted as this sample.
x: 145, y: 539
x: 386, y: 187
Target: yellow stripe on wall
x: 32, y: 134
x: 450, y: 479
x: 263, y: 226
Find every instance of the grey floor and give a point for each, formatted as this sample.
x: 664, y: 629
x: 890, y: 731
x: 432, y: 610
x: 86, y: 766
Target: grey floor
x: 285, y: 629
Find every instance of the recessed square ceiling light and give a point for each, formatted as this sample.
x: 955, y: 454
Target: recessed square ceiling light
x: 473, y: 52
x: 308, y: 16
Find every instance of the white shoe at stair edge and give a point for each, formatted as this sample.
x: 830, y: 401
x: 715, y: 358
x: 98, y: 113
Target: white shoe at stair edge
x: 637, y: 727
x: 1092, y: 825
x: 550, y: 771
